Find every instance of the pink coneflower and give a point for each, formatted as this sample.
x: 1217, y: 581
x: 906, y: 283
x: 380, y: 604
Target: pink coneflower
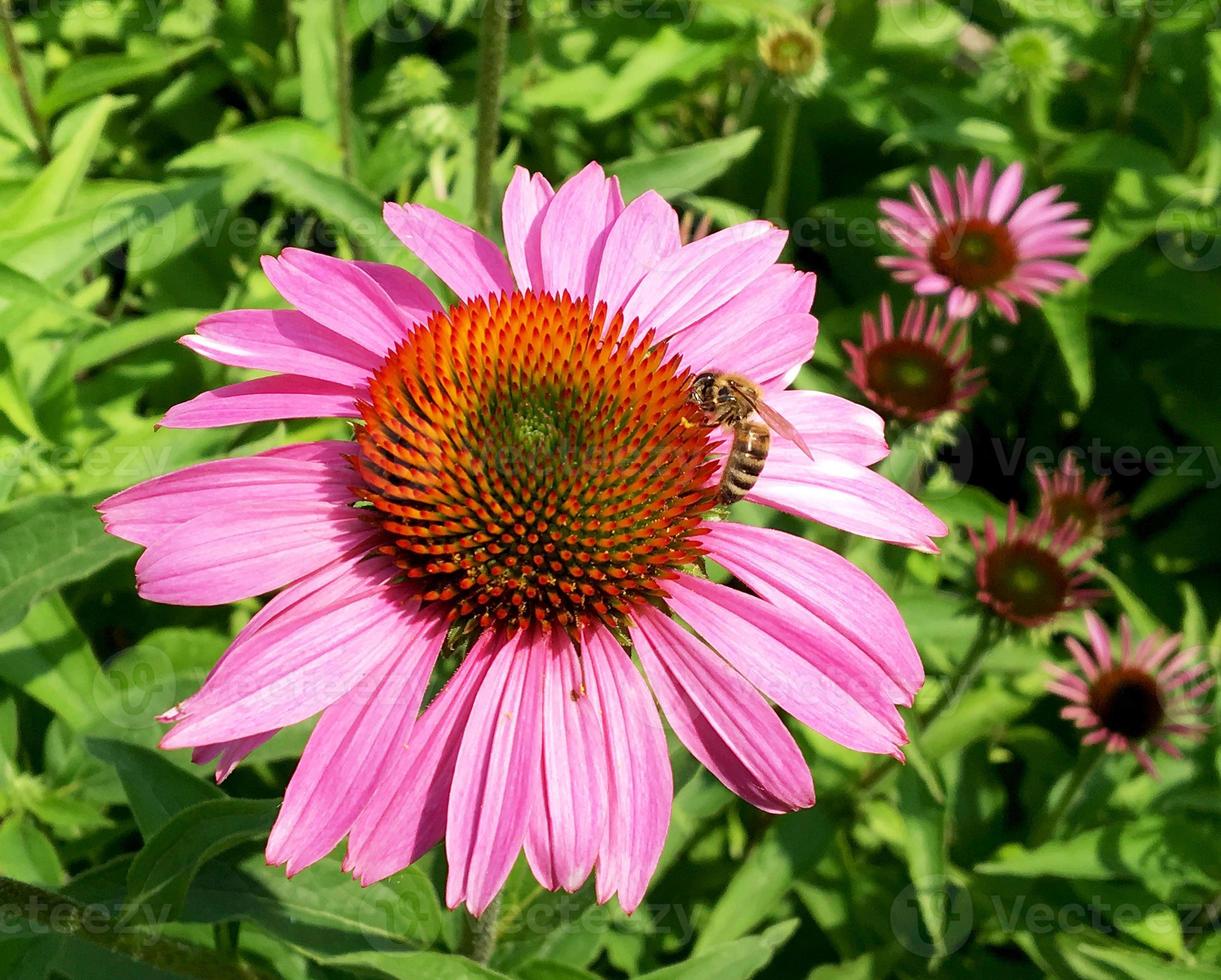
x: 1138, y: 700
x: 530, y: 486
x: 1033, y: 573
x: 975, y: 245
x: 1067, y: 497
x: 919, y: 373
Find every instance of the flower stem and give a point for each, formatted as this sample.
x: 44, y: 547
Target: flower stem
x: 1046, y: 828
x: 17, y: 66
x: 964, y: 674
x: 493, y: 43
x: 1138, y: 61
x: 47, y: 912
x: 775, y: 205
x: 343, y: 84
x: 483, y: 934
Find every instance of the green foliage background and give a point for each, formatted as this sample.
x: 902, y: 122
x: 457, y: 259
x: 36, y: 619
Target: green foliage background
x: 170, y: 144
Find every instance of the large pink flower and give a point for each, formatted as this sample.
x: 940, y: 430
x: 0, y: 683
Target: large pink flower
x: 975, y: 245
x: 532, y: 485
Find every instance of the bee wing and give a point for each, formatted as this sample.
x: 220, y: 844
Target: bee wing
x: 780, y: 424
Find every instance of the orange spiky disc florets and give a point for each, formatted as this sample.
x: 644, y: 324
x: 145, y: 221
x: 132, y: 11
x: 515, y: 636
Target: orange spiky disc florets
x: 531, y: 462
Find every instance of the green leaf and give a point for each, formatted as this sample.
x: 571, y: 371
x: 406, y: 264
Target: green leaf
x: 156, y: 789
x: 48, y: 658
x: 737, y: 960
x: 320, y: 911
x: 318, y: 51
x: 17, y: 286
x: 51, y: 192
x: 791, y: 846
x: 412, y: 966
x: 95, y: 74
x: 162, y: 871
x: 47, y: 543
x: 674, y: 173
x: 27, y: 854
x: 1067, y: 318
x: 924, y: 819
x: 131, y: 335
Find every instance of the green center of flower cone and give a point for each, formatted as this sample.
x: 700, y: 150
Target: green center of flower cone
x: 531, y: 463
x: 974, y: 253
x: 910, y: 376
x: 1026, y: 583
x: 1128, y: 702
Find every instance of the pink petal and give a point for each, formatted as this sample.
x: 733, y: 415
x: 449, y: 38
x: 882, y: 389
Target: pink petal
x: 496, y: 774
x: 464, y: 260
x: 700, y: 277
x: 284, y: 341
x: 644, y: 234
x: 295, y: 668
x: 568, y: 815
x: 148, y: 510
x: 283, y: 396
x: 524, y: 202
x: 830, y: 424
x: 1005, y: 193
x: 230, y: 753
x: 799, y: 574
x: 415, y: 301
x: 225, y: 555
x: 842, y: 494
x: 574, y: 229
x: 942, y: 194
x: 816, y: 676
x: 931, y: 285
x: 639, y: 783
x: 348, y: 749
x: 961, y: 303
x: 721, y: 718
x: 405, y: 815
x: 339, y: 295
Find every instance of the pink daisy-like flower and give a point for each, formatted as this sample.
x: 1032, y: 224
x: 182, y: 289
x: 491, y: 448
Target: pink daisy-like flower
x: 1033, y: 573
x: 920, y: 372
x: 975, y: 245
x: 530, y: 473
x: 1066, y: 495
x: 1137, y: 700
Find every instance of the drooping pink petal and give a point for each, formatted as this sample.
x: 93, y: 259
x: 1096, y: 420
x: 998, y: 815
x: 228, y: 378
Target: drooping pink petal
x: 830, y: 424
x: 295, y: 668
x: 464, y: 260
x: 807, y: 578
x: 245, y: 550
x: 568, y: 814
x: 145, y: 512
x: 229, y: 754
x: 284, y: 341
x: 496, y: 773
x: 700, y: 277
x: 348, y: 749
x: 282, y: 396
x: 574, y: 229
x: 525, y: 200
x: 339, y: 295
x: 639, y: 784
x: 722, y: 720
x: 644, y: 233
x: 816, y: 675
x: 853, y: 498
x: 406, y: 813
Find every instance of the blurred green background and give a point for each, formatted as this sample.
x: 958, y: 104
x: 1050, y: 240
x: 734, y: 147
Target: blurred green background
x: 151, y: 151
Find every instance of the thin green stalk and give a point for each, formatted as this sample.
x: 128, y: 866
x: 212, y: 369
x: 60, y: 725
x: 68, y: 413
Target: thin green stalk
x: 493, y: 44
x: 483, y: 933
x: 343, y: 83
x: 44, y: 913
x: 1138, y: 61
x: 965, y: 673
x: 37, y: 123
x: 1046, y: 828
x: 775, y: 205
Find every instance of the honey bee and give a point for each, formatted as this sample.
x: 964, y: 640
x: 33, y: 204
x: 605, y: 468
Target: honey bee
x: 731, y: 400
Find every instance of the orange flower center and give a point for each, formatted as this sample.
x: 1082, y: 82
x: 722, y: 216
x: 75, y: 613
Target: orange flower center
x: 1127, y: 701
x: 530, y: 462
x: 974, y: 253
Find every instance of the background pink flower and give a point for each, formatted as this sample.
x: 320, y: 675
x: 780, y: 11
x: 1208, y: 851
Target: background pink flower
x: 974, y: 241
x: 533, y: 479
